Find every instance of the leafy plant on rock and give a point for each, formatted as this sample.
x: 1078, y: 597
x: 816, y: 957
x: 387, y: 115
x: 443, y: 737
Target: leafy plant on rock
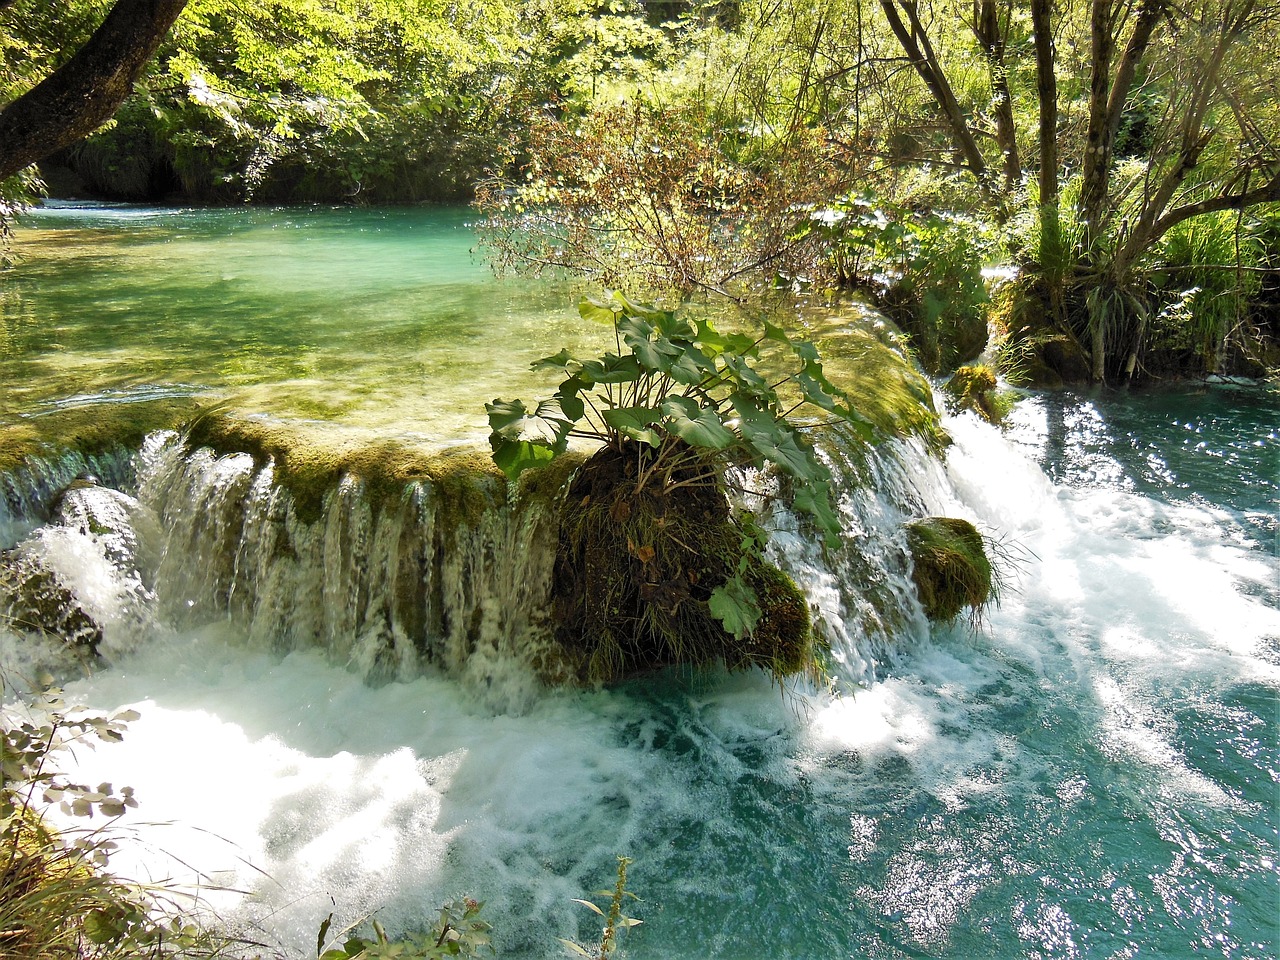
x: 652, y: 567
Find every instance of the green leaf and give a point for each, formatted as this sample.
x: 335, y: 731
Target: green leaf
x: 559, y: 361
x: 636, y: 423
x: 777, y: 334
x: 736, y: 606
x: 611, y: 368
x: 601, y: 311
x: 716, y: 342
x: 506, y: 417
x: 324, y: 932
x: 575, y: 948
x: 698, y: 426
x: 513, y: 457
x: 101, y: 927
x: 815, y: 500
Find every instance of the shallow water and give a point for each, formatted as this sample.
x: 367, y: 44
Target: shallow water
x: 1091, y: 772
x: 379, y: 319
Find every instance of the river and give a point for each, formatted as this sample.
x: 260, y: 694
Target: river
x: 1090, y: 771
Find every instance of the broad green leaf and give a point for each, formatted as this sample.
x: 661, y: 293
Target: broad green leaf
x: 815, y: 500
x: 805, y: 350
x: 570, y: 403
x: 601, y: 311
x: 515, y: 456
x: 736, y: 606
x: 644, y: 311
x: 777, y: 334
x: 776, y: 441
x: 747, y: 380
x: 691, y: 367
x: 636, y: 423
x: 559, y: 361
x: 611, y: 368
x: 506, y: 417
x: 698, y: 426
x: 716, y: 342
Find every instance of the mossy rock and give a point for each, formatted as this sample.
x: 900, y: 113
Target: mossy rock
x: 34, y: 601
x: 1039, y: 354
x: 309, y: 462
x: 90, y: 430
x: 973, y: 387
x: 635, y: 570
x: 951, y: 568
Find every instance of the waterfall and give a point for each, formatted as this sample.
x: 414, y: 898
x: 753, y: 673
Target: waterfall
x: 390, y: 585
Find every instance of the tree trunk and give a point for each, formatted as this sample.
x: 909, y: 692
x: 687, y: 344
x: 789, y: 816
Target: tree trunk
x: 1051, y: 253
x: 915, y: 44
x: 991, y: 38
x: 1107, y: 97
x: 85, y: 92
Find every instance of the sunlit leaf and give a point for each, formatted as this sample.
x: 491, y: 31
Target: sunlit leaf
x: 698, y: 426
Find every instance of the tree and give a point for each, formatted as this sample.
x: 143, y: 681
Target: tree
x: 83, y: 93
x: 1175, y: 71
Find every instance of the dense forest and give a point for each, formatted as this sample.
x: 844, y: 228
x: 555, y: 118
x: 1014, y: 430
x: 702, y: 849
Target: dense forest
x: 1125, y: 156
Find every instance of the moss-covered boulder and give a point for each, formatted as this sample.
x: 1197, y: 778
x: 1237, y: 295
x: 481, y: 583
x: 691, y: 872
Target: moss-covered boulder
x: 950, y: 567
x: 974, y: 387
x: 636, y: 568
x: 1037, y: 353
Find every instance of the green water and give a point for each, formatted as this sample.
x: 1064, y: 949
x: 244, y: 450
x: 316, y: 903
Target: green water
x: 378, y: 319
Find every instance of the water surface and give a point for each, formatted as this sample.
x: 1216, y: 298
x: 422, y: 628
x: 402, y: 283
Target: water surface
x: 379, y: 319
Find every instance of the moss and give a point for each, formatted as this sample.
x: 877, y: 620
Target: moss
x: 92, y: 430
x: 951, y: 568
x: 1036, y: 353
x: 869, y: 365
x: 33, y: 600
x: 309, y: 462
x: 635, y: 570
x: 973, y: 387
x: 782, y: 641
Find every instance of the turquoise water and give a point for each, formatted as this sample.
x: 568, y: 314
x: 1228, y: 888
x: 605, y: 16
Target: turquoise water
x: 1092, y: 772
x: 377, y: 319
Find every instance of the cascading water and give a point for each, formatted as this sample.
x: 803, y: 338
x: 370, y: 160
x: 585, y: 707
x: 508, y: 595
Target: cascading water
x: 1089, y: 773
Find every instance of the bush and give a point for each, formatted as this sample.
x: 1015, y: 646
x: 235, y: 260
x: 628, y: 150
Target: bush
x: 652, y: 567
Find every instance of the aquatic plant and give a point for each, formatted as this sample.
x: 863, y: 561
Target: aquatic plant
x: 653, y: 567
x: 615, y: 919
x: 457, y: 932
